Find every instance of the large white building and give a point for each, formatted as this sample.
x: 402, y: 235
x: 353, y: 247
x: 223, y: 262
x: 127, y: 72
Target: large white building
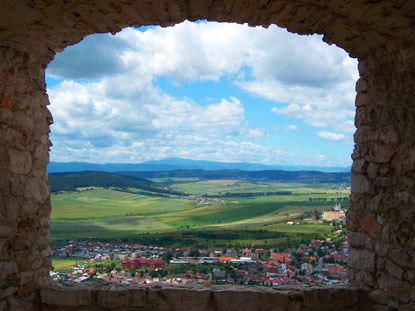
x: 333, y: 216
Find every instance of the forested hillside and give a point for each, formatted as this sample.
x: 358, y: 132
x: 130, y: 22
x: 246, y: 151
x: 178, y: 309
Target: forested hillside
x: 139, y: 180
x: 266, y: 175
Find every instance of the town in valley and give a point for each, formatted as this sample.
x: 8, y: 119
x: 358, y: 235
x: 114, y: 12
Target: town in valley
x: 321, y: 261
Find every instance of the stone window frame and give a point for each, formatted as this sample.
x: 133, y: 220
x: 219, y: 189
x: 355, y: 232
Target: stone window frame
x: 380, y: 34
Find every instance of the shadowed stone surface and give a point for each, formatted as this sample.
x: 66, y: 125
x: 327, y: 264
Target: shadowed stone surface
x: 195, y: 298
x: 381, y: 218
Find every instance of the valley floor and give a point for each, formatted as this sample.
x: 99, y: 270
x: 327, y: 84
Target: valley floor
x: 222, y: 207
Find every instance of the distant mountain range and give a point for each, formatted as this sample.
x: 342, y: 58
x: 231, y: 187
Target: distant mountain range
x: 170, y: 164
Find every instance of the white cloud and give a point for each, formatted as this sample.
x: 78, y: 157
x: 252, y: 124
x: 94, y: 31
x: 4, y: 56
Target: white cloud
x: 316, y: 107
x: 320, y: 157
x: 256, y: 133
x: 330, y: 135
x: 116, y: 112
x: 88, y: 112
x: 291, y: 127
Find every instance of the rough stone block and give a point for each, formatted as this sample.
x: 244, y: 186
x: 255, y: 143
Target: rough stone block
x: 381, y: 153
x: 157, y: 300
x: 379, y: 296
x: 36, y: 189
x: 394, y: 269
x: 390, y: 136
x: 17, y: 185
x: 188, y: 300
x: 20, y: 161
x: 395, y: 288
x: 360, y: 183
x: 361, y: 85
x: 250, y: 300
x: 66, y: 297
x: 362, y: 99
x: 404, y: 160
x: 355, y: 239
x: 12, y: 209
x: 361, y: 259
x: 359, y: 166
x: 6, y: 292
x: 6, y: 269
x: 137, y: 297
x: 19, y: 303
x: 331, y: 297
x: 112, y: 298
x: 371, y: 227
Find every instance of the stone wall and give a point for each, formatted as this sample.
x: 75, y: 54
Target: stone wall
x: 24, y: 196
x: 42, y: 27
x: 381, y: 220
x: 185, y: 298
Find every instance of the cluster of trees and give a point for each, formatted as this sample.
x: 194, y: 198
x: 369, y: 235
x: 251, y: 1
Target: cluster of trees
x: 264, y: 175
x: 322, y: 199
x: 73, y: 181
x: 155, y: 192
x: 247, y: 194
x: 235, y: 234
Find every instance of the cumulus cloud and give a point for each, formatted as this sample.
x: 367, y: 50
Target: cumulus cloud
x: 95, y: 57
x: 87, y: 112
x: 109, y: 108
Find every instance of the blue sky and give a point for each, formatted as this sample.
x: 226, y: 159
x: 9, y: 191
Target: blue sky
x: 205, y: 91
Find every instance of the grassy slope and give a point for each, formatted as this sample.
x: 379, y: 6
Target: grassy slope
x: 63, y: 263
x: 103, y: 202
x: 228, y: 214
x: 311, y: 190
x: 282, y: 215
x: 108, y: 213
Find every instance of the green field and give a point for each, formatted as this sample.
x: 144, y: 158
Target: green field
x: 59, y: 264
x: 109, y: 213
x: 213, y: 187
x: 98, y: 203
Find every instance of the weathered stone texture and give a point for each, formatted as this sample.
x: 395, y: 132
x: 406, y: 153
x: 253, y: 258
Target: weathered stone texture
x: 24, y: 197
x: 196, y: 298
x: 382, y: 216
x: 41, y: 27
x: 381, y: 219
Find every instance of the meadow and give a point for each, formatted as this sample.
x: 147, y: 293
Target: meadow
x: 114, y: 214
x: 66, y: 263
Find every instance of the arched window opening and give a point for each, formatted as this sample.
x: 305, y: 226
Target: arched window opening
x: 139, y: 114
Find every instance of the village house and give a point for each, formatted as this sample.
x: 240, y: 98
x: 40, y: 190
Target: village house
x: 338, y: 216
x: 250, y: 254
x: 138, y: 263
x: 262, y: 253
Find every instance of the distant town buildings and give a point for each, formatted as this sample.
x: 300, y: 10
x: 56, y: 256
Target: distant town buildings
x: 318, y: 262
x: 333, y: 216
x: 138, y: 263
x: 336, y: 214
x: 337, y: 207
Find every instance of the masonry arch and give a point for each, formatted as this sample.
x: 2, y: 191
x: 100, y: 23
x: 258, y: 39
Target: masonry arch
x: 380, y: 34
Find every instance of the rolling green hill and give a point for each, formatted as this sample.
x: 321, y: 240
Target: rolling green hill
x: 73, y: 181
x: 139, y: 180
x: 110, y: 213
x: 174, y: 207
